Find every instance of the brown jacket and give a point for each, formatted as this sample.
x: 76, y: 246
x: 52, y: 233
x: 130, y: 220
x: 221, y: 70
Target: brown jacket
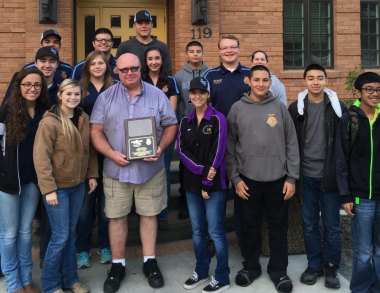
x: 57, y: 166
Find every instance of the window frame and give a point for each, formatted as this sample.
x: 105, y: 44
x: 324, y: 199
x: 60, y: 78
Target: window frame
x: 307, y: 39
x: 369, y: 34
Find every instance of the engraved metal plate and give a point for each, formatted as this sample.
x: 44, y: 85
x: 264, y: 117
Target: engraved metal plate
x: 140, y: 135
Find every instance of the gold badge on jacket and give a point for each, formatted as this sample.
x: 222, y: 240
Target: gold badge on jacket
x: 165, y: 88
x: 272, y: 120
x: 246, y: 80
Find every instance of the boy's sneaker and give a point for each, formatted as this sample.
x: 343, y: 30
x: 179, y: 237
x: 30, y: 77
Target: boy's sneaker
x: 115, y: 275
x: 215, y: 286
x: 283, y: 284
x: 310, y: 276
x: 331, y: 276
x: 194, y: 281
x: 83, y: 260
x: 105, y: 255
x: 153, y: 273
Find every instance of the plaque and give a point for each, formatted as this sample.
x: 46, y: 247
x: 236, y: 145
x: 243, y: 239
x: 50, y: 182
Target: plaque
x: 140, y: 136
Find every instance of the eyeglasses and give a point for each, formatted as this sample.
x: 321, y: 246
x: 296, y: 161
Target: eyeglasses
x: 370, y: 90
x: 103, y: 41
x: 29, y: 86
x: 229, y: 48
x: 126, y: 69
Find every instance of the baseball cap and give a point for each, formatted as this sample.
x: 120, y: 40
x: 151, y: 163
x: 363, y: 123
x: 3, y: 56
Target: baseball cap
x: 47, y: 51
x: 199, y: 83
x: 142, y: 15
x: 48, y: 33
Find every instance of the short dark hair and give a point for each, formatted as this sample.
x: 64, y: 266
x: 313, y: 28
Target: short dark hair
x: 364, y: 78
x: 229, y: 37
x: 259, y: 51
x: 193, y: 43
x: 259, y: 68
x: 314, y: 66
x: 103, y: 30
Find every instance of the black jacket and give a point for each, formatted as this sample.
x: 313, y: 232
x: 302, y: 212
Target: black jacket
x: 358, y: 167
x: 10, y: 156
x: 331, y: 122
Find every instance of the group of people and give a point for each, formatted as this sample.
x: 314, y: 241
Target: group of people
x: 63, y: 141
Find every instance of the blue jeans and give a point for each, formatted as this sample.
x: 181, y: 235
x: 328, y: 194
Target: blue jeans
x: 16, y: 216
x: 314, y: 203
x: 60, y: 265
x: 87, y: 216
x: 365, y: 227
x: 167, y: 158
x: 214, y: 210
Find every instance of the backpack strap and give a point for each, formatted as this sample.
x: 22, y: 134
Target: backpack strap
x: 353, y: 126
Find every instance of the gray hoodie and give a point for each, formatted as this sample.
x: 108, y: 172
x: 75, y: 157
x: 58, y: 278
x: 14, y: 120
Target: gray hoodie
x: 262, y: 141
x: 184, y: 76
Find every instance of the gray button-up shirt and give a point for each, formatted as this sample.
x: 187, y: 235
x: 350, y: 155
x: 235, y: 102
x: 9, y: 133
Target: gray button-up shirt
x: 112, y: 107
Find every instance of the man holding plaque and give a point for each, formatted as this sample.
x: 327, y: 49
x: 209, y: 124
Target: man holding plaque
x: 123, y: 117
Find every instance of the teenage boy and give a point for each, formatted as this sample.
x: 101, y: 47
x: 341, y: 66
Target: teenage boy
x: 103, y: 42
x: 227, y: 81
x: 143, y: 24
x: 358, y: 174
x: 193, y: 67
x: 316, y: 116
x: 52, y: 38
x: 47, y: 61
x: 277, y: 88
x: 262, y: 161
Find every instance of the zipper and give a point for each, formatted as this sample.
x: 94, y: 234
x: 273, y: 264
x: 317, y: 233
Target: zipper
x: 18, y: 174
x: 371, y: 162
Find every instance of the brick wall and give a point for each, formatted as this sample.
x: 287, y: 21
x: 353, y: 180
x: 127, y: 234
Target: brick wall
x: 258, y: 26
x: 20, y: 33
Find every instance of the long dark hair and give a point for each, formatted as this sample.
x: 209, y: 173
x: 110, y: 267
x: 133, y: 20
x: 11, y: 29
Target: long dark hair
x: 162, y: 74
x: 18, y: 117
x: 86, y: 77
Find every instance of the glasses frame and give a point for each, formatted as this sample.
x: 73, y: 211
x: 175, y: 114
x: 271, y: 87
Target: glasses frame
x: 127, y: 69
x: 27, y: 86
x: 371, y: 90
x: 107, y: 41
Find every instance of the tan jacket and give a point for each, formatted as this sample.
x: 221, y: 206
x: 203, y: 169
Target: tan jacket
x: 56, y: 166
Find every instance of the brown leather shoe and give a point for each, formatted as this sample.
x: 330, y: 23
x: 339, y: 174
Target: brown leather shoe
x: 31, y: 288
x: 79, y: 288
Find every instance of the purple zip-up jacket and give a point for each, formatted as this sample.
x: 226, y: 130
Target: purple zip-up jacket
x: 201, y: 147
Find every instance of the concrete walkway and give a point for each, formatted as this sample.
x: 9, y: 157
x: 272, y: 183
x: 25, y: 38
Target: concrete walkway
x: 176, y: 261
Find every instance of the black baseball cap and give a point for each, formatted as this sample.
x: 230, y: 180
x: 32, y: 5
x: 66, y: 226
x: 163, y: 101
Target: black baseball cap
x: 142, y: 15
x: 199, y: 83
x: 47, y: 51
x: 50, y: 32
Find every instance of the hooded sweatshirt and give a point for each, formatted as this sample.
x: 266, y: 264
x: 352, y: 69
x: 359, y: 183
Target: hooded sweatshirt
x: 184, y: 76
x: 262, y: 141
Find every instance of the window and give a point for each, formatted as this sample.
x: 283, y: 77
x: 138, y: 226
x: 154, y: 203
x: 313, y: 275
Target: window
x: 369, y: 18
x: 307, y: 33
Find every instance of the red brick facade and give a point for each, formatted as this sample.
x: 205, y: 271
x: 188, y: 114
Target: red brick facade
x: 258, y: 25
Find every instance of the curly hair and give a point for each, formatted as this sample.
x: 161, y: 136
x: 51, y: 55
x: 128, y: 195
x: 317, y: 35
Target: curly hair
x: 17, y: 119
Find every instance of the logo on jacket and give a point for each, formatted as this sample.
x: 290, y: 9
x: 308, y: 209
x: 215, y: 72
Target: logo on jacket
x: 217, y: 81
x: 207, y: 129
x: 246, y: 80
x: 165, y: 88
x: 272, y: 120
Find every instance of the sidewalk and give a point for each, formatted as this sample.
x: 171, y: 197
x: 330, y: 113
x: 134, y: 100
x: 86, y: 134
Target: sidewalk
x: 176, y: 261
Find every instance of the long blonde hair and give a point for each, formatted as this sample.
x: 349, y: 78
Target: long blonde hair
x: 70, y: 132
